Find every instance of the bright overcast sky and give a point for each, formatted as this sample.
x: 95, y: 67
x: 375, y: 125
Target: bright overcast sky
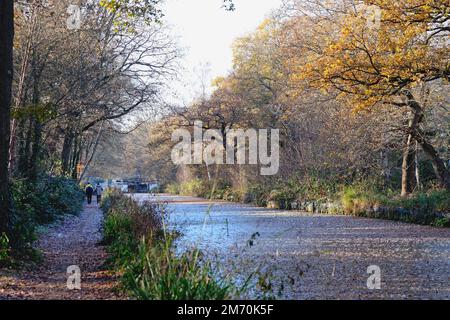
x: 205, y: 30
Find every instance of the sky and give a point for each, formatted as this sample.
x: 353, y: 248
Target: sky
x: 205, y: 31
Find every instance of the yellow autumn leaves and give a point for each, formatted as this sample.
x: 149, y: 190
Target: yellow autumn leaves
x: 370, y: 65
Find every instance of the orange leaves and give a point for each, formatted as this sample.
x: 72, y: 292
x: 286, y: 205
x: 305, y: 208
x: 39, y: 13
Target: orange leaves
x: 368, y: 65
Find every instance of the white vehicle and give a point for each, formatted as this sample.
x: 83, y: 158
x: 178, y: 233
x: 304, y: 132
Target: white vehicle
x: 119, y: 185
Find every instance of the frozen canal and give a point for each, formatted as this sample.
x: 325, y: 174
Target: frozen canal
x: 317, y: 257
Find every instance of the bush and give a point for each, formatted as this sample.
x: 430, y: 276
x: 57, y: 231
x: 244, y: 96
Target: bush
x: 34, y: 204
x: 64, y: 196
x: 365, y: 197
x: 194, y: 188
x: 173, y: 188
x: 118, y: 237
x: 48, y: 199
x: 443, y: 222
x: 421, y: 208
x: 433, y: 201
x: 358, y: 198
x: 157, y: 273
x: 426, y: 208
x: 257, y: 194
x: 332, y: 194
x: 4, y: 248
x: 284, y: 191
x: 126, y: 223
x: 223, y: 191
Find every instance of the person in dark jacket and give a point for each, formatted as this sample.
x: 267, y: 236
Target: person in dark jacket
x: 89, y: 192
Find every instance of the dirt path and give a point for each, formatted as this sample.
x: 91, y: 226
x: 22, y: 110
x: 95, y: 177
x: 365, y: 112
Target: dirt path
x: 72, y: 242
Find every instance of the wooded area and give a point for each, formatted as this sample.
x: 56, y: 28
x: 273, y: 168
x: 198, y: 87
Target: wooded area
x: 65, y: 83
x: 358, y: 91
x: 356, y: 103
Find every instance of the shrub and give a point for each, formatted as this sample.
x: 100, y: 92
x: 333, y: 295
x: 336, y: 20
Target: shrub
x: 65, y: 197
x: 157, y: 273
x: 284, y: 191
x: 125, y: 218
x: 432, y: 201
x: 257, y: 194
x: 366, y: 197
x: 47, y: 199
x: 4, y: 249
x: 426, y: 208
x: 312, y: 187
x: 118, y: 236
x: 195, y: 188
x: 443, y: 222
x: 126, y: 223
x: 362, y: 196
x: 38, y: 203
x: 421, y: 208
x: 173, y: 188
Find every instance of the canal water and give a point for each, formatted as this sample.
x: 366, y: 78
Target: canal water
x: 302, y: 256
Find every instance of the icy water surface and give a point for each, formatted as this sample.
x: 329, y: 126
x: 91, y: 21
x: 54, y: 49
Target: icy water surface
x: 316, y: 256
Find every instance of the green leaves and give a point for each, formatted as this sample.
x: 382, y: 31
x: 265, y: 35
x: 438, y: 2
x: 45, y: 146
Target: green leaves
x: 126, y: 11
x: 42, y: 112
x: 4, y: 248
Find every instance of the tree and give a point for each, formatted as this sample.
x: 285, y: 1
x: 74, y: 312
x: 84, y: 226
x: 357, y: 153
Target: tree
x: 370, y: 67
x: 76, y: 81
x: 6, y: 76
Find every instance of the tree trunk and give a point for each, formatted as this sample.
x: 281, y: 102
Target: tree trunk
x: 417, y: 173
x: 6, y: 76
x: 37, y: 127
x: 408, y: 168
x: 75, y: 157
x: 442, y: 173
x: 24, y: 158
x: 21, y: 162
x: 20, y: 95
x: 66, y: 151
x: 385, y: 171
x: 35, y: 151
x: 91, y: 157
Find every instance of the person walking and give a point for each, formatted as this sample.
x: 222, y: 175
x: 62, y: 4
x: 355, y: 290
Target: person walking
x: 89, y: 190
x: 98, y: 192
